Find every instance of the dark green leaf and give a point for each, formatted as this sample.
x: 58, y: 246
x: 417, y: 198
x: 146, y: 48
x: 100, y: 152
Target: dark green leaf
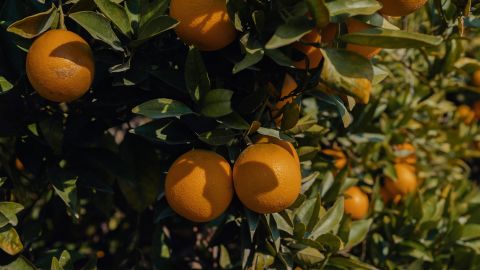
x: 98, y: 26
x: 217, y: 103
x: 116, y: 14
x: 386, y: 38
x: 294, y: 29
x: 217, y: 137
x: 34, y: 25
x: 162, y: 108
x: 196, y: 76
x: 169, y: 131
x: 10, y: 211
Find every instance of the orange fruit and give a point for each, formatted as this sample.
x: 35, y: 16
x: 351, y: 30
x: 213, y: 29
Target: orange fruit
x: 367, y: 51
x: 476, y: 109
x: 465, y: 113
x: 340, y: 160
x: 60, y: 66
x: 284, y: 144
x: 312, y: 53
x: 356, y: 203
x: 19, y: 165
x: 267, y: 178
x: 406, y: 180
x: 476, y: 78
x: 289, y: 85
x: 329, y: 33
x: 203, y: 23
x: 199, y: 185
x: 408, y: 153
x: 398, y: 8
x: 387, y: 197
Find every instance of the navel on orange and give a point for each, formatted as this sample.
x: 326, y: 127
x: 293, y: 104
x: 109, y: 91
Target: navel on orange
x: 203, y: 23
x: 60, y: 66
x: 267, y: 178
x: 199, y: 185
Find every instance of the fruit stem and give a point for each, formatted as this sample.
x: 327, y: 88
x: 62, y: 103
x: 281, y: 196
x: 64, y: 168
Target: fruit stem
x: 61, y: 21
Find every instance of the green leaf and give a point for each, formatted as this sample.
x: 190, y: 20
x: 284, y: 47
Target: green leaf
x: 293, y: 30
x: 320, y: 12
x: 217, y: 103
x: 352, y: 8
x: 10, y: 241
x: 291, y: 115
x: 65, y: 185
x: 249, y: 60
x: 309, y: 256
x: 56, y: 264
x: 20, y: 263
x: 358, y: 231
x: 252, y: 221
x: 234, y: 121
x: 154, y: 27
x: 116, y: 14
x: 217, y: 137
x: 196, y: 76
x: 10, y: 211
x: 98, y: 26
x: 34, y: 25
x: 354, y: 78
x: 142, y: 189
x: 347, y: 118
x: 169, y: 131
x: 162, y: 108
x: 470, y: 232
x: 386, y: 38
x: 65, y: 261
x: 349, y: 263
x: 330, y: 220
x: 275, y: 133
x: 330, y: 242
x: 5, y: 85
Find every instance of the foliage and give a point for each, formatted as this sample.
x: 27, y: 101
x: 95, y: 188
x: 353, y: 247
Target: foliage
x: 89, y: 191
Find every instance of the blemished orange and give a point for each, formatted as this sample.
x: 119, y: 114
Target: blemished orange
x: 356, y: 203
x: 398, y: 8
x: 466, y: 114
x: 267, y: 178
x: 367, y: 51
x: 476, y: 78
x: 60, y: 66
x: 312, y: 54
x: 203, y: 23
x: 407, y: 153
x: 340, y: 160
x: 199, y: 185
x: 289, y: 85
x: 406, y: 180
x: 284, y: 144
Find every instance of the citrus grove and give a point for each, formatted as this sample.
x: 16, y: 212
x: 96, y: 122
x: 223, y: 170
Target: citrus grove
x: 238, y: 134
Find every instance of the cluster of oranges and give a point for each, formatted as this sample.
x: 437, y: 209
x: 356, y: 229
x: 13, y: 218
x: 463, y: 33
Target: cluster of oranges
x: 266, y: 178
x: 357, y: 203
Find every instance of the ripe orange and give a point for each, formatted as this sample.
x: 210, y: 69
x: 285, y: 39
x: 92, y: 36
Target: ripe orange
x: 476, y: 109
x: 312, y: 53
x: 476, y: 78
x: 358, y: 26
x: 199, y: 185
x: 19, y: 165
x: 267, y: 178
x: 203, y: 23
x: 407, y: 153
x: 356, y: 203
x: 60, y: 66
x: 284, y: 144
x: 465, y: 113
x: 289, y: 85
x: 398, y: 8
x: 340, y: 160
x: 406, y: 180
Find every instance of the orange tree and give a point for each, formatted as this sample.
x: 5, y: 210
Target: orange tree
x: 239, y: 134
